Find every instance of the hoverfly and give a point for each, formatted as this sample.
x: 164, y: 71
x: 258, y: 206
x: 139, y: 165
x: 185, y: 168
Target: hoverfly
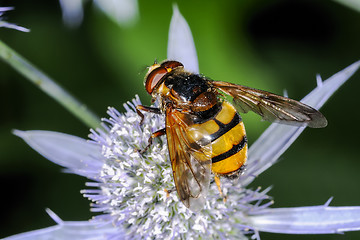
x: 205, y: 133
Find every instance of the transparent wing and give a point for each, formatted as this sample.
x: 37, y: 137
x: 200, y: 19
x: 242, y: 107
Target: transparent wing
x: 190, y: 154
x: 272, y: 107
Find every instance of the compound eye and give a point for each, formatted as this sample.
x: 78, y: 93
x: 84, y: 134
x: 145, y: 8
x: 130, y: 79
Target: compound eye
x: 170, y: 65
x: 153, y: 78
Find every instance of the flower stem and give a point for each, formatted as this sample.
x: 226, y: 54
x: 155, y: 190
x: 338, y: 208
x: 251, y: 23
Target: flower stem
x: 48, y: 85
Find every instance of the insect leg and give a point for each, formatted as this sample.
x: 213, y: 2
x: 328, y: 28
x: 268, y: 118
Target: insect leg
x: 156, y: 134
x: 217, y: 181
x: 146, y: 109
x: 218, y: 184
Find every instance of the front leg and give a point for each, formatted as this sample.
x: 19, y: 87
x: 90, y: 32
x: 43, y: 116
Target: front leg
x: 146, y: 109
x: 156, y: 134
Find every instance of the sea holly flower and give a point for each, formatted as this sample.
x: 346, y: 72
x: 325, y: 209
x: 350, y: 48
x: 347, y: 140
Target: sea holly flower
x: 134, y: 192
x: 7, y: 24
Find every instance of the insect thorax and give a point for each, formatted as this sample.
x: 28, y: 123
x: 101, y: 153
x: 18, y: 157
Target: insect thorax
x: 187, y: 91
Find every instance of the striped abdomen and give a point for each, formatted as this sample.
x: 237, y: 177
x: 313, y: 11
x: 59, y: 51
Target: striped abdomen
x: 228, y: 139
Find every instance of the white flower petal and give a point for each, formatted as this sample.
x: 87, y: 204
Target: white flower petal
x: 10, y: 25
x: 121, y: 11
x: 4, y: 9
x: 325, y: 89
x: 353, y: 4
x: 74, y: 230
x: 13, y: 26
x: 76, y: 154
x: 307, y: 220
x: 72, y: 11
x: 181, y: 46
x: 278, y: 137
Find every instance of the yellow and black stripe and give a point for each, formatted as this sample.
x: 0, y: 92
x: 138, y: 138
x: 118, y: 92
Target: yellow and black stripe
x: 229, y: 142
x: 228, y: 138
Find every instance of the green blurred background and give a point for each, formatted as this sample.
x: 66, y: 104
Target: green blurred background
x: 270, y: 45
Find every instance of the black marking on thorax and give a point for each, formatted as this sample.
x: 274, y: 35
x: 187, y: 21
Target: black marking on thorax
x: 188, y: 86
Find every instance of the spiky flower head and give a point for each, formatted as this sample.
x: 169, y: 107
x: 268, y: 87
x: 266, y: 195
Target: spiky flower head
x: 137, y: 190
